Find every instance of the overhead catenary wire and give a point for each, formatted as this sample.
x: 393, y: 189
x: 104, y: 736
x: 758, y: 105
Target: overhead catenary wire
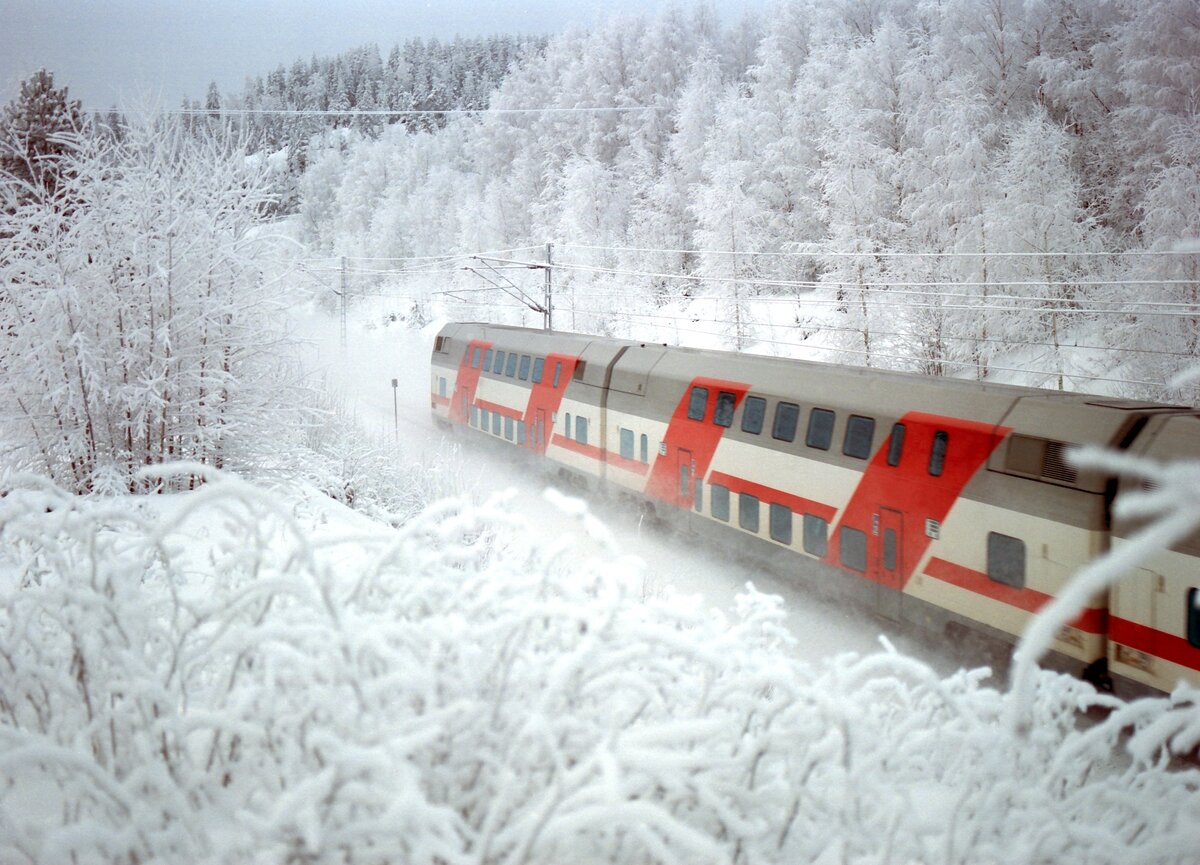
x: 819, y: 253
x: 218, y: 113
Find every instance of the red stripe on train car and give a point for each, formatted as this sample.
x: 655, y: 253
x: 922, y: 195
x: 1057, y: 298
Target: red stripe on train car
x: 910, y: 496
x: 1092, y: 620
x: 590, y: 451
x: 1154, y: 642
x: 467, y: 381
x: 691, y: 441
x: 771, y: 495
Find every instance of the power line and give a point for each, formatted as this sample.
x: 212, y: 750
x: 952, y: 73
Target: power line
x: 218, y: 113
x: 818, y: 253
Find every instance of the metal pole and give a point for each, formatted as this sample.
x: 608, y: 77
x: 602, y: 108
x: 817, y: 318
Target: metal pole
x: 343, y: 329
x: 396, y: 409
x: 549, y: 318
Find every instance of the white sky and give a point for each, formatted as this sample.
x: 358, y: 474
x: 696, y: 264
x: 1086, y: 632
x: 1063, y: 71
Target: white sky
x: 134, y: 52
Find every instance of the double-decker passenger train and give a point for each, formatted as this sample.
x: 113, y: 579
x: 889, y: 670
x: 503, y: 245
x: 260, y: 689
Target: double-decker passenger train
x: 944, y: 502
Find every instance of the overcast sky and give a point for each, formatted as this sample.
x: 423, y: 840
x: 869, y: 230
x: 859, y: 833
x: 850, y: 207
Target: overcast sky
x: 126, y: 52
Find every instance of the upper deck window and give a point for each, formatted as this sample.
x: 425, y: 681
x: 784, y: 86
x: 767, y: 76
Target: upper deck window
x: 753, y: 414
x: 723, y: 414
x: 698, y: 403
x: 787, y: 416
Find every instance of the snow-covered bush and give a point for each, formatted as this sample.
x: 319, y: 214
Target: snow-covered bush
x: 137, y: 325
x: 240, y: 674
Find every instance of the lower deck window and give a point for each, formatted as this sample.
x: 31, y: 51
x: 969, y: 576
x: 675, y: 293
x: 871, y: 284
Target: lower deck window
x: 627, y: 444
x: 474, y: 415
x: 816, y: 536
x: 1006, y: 560
x: 781, y: 524
x: 581, y: 430
x: 748, y: 512
x: 1193, y: 617
x: 508, y: 428
x: 484, y: 419
x: 853, y: 549
x: 496, y: 420
x: 719, y: 501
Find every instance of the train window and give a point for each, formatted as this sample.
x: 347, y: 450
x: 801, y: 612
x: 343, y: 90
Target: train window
x: 699, y: 497
x: 697, y: 403
x: 853, y: 549
x: 511, y: 369
x: 627, y: 444
x: 787, y: 415
x: 891, y: 545
x: 496, y: 420
x: 475, y: 357
x: 523, y: 371
x: 579, y: 367
x: 581, y: 429
x: 483, y: 419
x: 1193, y: 617
x: 748, y: 512
x: 441, y: 386
x: 860, y: 435
x: 539, y: 367
x: 937, y: 457
x: 896, y: 444
x: 820, y: 429
x: 557, y: 374
x: 753, y: 414
x: 719, y: 501
x: 498, y: 363
x: 1006, y: 560
x: 487, y: 360
x: 508, y: 428
x: 645, y: 448
x: 781, y: 523
x: 521, y: 433
x: 685, y: 480
x: 474, y: 417
x: 567, y: 426
x: 816, y: 535
x: 723, y: 414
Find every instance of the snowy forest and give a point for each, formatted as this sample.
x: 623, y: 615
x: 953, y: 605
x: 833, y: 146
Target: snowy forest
x: 240, y: 622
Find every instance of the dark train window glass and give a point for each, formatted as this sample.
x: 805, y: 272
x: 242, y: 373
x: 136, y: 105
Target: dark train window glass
x: 581, y: 430
x: 937, y: 457
x: 539, y: 367
x: 896, y: 445
x: 853, y: 552
x: 511, y: 369
x: 816, y: 535
x: 699, y: 497
x: 521, y: 433
x: 557, y: 374
x: 484, y: 419
x: 1193, y: 617
x: 496, y: 420
x: 860, y: 435
x: 890, y: 547
x: 697, y: 403
x: 820, y: 429
x: 748, y: 512
x: 723, y: 414
x: 475, y: 357
x: 498, y: 363
x: 508, y: 428
x: 787, y: 415
x: 719, y: 501
x: 645, y: 455
x: 567, y: 426
x: 474, y: 415
x: 1006, y: 560
x: 523, y: 370
x: 781, y: 523
x: 753, y: 414
x: 487, y: 360
x: 627, y: 443
x: 685, y: 478
x: 441, y: 386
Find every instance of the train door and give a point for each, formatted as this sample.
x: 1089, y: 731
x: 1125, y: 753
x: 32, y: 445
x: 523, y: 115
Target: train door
x: 537, y: 440
x: 887, y: 538
x: 686, y: 481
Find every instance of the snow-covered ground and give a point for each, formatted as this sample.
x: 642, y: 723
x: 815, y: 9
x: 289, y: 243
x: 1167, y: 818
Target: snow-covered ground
x: 258, y: 673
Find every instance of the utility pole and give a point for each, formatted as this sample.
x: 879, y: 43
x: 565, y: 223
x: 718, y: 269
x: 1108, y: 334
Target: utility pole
x: 343, y: 329
x: 396, y: 409
x: 549, y: 304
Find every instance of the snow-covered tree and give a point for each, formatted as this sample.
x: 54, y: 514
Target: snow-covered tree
x: 39, y: 130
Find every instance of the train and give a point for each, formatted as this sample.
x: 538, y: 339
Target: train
x: 942, y: 502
